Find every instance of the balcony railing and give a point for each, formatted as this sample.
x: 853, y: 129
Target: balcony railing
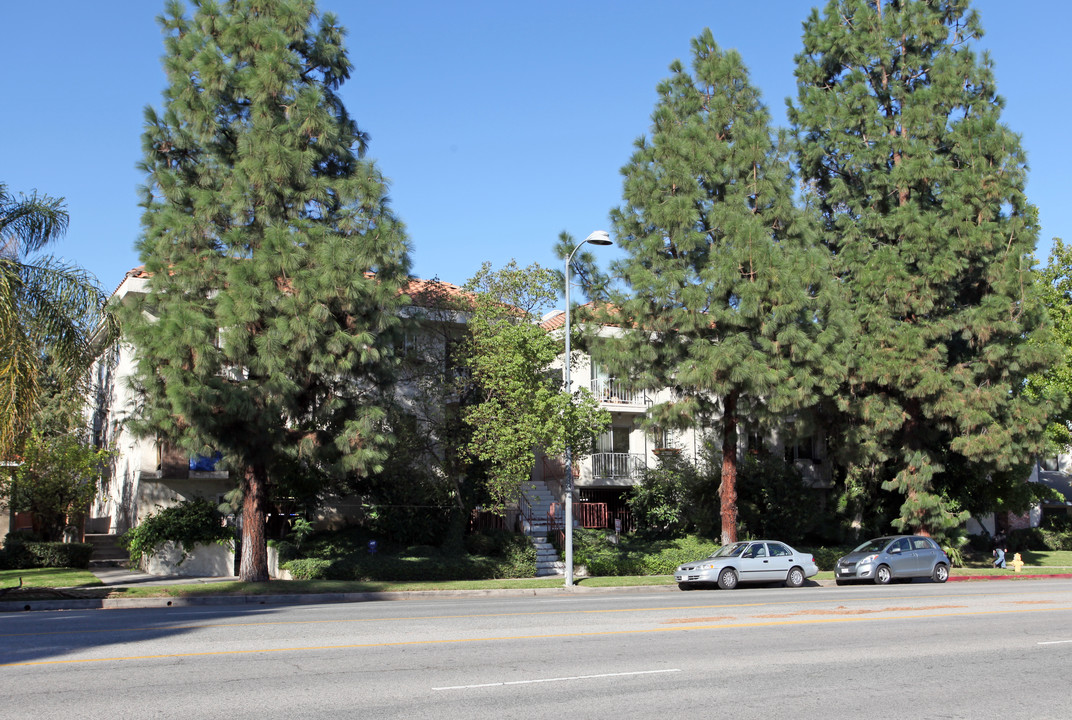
x: 609, y: 391
x: 617, y: 466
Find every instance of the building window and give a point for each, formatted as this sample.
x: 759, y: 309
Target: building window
x: 615, y: 440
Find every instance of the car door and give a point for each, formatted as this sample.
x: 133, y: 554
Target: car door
x: 755, y: 563
x: 780, y: 560
x: 926, y: 555
x: 901, y: 558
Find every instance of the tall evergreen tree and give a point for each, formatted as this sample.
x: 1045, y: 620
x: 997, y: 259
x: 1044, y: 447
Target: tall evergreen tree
x: 921, y: 191
x: 718, y: 287
x: 275, y: 262
x: 1055, y: 383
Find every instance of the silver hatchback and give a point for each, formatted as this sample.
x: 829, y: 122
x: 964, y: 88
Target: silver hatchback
x: 894, y: 558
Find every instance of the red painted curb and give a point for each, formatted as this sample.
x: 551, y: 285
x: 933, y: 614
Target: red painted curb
x: 1010, y: 576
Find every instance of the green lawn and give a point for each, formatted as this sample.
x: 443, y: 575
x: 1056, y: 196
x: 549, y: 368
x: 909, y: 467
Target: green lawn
x: 82, y: 583
x: 47, y: 577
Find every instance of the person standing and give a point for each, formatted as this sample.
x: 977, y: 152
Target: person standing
x: 999, y: 548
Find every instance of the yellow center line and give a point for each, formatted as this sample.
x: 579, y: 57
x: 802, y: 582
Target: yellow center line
x: 550, y: 636
x: 542, y: 613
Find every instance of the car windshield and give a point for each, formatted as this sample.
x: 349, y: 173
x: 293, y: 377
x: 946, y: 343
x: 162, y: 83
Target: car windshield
x: 731, y: 550
x: 875, y: 545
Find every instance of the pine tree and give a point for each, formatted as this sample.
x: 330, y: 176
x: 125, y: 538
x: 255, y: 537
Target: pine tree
x: 275, y: 263
x: 1055, y: 383
x: 718, y: 286
x: 921, y: 191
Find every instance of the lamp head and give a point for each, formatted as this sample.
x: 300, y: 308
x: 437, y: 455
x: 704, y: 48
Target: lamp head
x: 599, y: 237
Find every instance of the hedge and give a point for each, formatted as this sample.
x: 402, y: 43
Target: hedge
x: 401, y: 569
x: 21, y: 554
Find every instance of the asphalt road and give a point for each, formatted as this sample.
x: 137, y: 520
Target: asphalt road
x: 964, y: 650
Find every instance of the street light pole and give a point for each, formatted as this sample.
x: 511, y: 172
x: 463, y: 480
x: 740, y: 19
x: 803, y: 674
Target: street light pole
x: 599, y: 237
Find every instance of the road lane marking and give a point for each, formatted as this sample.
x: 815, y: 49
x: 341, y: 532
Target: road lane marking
x: 542, y: 613
x: 1055, y: 642
x: 558, y: 679
x: 515, y: 638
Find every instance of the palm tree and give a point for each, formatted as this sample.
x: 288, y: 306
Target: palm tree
x: 50, y: 311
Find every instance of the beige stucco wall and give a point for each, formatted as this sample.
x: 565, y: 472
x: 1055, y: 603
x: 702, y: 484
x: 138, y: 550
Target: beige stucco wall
x: 204, y: 561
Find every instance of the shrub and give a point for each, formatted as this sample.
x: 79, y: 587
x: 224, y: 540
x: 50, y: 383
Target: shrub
x: 517, y: 560
x: 1057, y: 540
x: 635, y: 556
x: 286, y: 550
x: 14, y: 555
x: 307, y: 568
x: 827, y: 557
x: 58, y: 554
x: 20, y: 553
x: 187, y: 524
x: 1025, y: 539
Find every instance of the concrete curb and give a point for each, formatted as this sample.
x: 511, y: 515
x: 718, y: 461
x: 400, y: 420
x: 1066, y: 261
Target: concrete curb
x: 310, y: 598
x: 355, y: 597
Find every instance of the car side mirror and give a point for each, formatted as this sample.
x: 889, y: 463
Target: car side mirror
x: 895, y: 551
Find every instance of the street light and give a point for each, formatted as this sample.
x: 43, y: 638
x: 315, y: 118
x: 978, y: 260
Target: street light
x: 599, y: 237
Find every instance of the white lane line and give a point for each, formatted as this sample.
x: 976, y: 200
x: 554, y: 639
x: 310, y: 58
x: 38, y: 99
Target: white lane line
x: 1055, y: 642
x: 558, y: 679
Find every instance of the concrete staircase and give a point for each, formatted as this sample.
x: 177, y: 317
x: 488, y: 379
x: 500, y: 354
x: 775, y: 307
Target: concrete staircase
x: 106, y: 551
x: 547, y: 562
x: 538, y: 500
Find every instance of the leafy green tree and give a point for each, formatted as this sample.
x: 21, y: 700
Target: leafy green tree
x: 55, y: 482
x: 920, y: 188
x: 49, y: 311
x: 720, y: 290
x: 1055, y: 383
x: 275, y: 262
x: 661, y: 502
x: 520, y: 406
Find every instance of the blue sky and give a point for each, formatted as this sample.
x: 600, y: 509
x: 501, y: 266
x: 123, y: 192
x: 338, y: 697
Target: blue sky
x: 499, y: 123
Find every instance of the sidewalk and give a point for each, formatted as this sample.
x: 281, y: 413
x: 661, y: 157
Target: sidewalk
x: 121, y: 577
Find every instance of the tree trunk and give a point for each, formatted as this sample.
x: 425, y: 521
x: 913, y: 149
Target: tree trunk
x: 727, y: 491
x: 254, y: 566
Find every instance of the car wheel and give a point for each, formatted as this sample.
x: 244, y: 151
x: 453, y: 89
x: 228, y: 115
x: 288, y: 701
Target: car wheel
x: 883, y: 576
x: 841, y: 582
x: 940, y: 573
x: 727, y: 579
x: 795, y: 578
x: 685, y: 586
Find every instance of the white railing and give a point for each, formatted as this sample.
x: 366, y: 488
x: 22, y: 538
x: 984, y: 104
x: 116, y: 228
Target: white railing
x: 613, y: 392
x: 617, y: 466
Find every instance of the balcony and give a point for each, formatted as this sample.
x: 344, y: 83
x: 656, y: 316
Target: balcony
x: 617, y: 466
x: 612, y: 395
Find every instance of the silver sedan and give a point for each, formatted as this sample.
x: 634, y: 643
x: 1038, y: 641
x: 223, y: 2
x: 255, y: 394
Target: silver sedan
x: 748, y: 561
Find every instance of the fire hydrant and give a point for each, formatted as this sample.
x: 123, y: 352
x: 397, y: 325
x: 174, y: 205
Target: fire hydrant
x: 1017, y: 563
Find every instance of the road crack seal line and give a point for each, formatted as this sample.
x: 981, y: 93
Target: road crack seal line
x: 517, y: 638
x: 842, y: 610
x: 690, y: 621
